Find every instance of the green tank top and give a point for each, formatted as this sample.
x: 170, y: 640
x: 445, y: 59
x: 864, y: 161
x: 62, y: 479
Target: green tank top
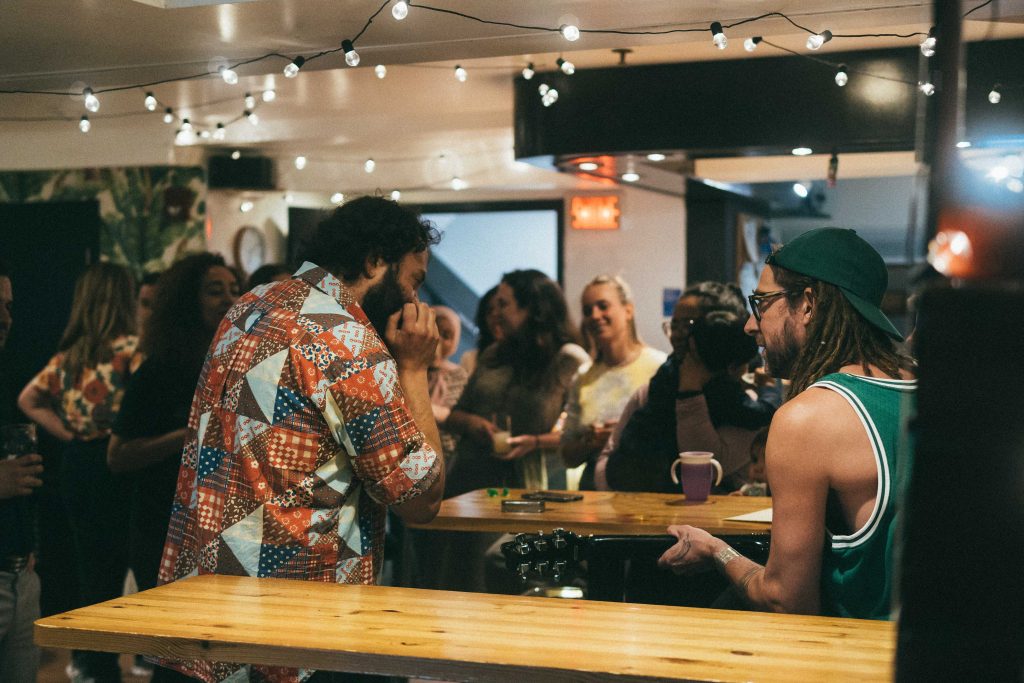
x: 858, y: 569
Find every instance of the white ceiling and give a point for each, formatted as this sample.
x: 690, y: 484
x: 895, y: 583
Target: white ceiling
x: 339, y: 116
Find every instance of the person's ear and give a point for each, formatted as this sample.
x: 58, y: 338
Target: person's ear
x: 373, y: 268
x: 808, y: 304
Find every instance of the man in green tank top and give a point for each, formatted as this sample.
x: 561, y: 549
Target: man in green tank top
x: 834, y: 447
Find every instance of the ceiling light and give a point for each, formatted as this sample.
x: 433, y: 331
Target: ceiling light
x: 802, y: 151
x: 460, y: 74
x: 841, y: 76
x: 229, y: 75
x: 150, y: 102
x: 994, y: 95
x: 300, y: 162
x: 400, y: 10
x: 927, y: 88
x: 750, y: 44
x: 168, y: 115
x: 83, y: 124
x: 570, y: 32
x: 269, y: 95
x: 351, y: 56
x: 963, y: 144
x: 815, y: 41
x: 251, y: 115
x: 631, y: 176
x: 656, y: 156
x: 549, y: 98
x: 92, y: 103
x: 369, y: 165
x: 567, y: 67
x: 589, y: 166
x: 246, y: 206
x: 380, y: 70
x: 218, y: 132
x: 186, y: 125
x: 459, y: 184
x: 543, y: 88
x: 800, y: 190
x: 250, y: 101
x: 718, y: 35
x: 292, y: 70
x: 337, y: 198
x: 236, y: 155
x: 928, y: 44
x: 395, y: 195
x: 528, y: 71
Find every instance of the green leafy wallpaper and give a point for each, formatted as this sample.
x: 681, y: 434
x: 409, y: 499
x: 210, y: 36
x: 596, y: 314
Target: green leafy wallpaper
x: 151, y: 215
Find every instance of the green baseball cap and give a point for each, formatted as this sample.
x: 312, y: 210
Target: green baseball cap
x: 841, y: 257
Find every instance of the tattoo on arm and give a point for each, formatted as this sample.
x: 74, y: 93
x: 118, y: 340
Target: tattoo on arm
x: 741, y: 585
x: 725, y: 556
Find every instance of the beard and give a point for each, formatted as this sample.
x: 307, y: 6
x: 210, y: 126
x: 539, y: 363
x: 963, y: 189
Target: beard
x: 780, y: 355
x: 383, y: 299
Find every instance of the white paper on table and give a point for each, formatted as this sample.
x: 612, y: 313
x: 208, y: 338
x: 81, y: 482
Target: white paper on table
x: 756, y: 516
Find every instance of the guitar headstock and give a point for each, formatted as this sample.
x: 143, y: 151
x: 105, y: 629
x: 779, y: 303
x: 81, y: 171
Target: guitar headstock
x: 541, y: 555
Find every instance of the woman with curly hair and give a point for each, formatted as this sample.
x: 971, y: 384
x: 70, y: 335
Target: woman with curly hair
x: 75, y: 398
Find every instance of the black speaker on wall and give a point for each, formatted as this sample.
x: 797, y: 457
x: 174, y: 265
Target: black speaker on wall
x: 243, y: 173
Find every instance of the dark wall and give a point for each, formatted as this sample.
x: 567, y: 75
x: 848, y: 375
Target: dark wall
x: 711, y: 235
x: 763, y: 105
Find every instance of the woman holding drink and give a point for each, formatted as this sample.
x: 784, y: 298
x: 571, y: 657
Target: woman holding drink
x: 622, y: 364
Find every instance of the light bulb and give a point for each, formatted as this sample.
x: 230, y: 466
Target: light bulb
x: 395, y: 195
x: 588, y: 166
x: 802, y: 151
x: 300, y: 162
x: 289, y: 198
x: 337, y: 198
x: 815, y: 41
x: 528, y: 71
x: 250, y: 101
x: 800, y: 190
x: 380, y: 70
x: 204, y: 134
x: 928, y: 44
x: 460, y: 74
x: 963, y: 144
x: 549, y: 98
x: 459, y: 184
x: 246, y: 206
x: 218, y: 132
x: 186, y: 125
x: 269, y: 95
x: 994, y: 95
x: 400, y: 10
x: 927, y: 88
x: 251, y: 115
x: 631, y: 176
x: 168, y: 115
x: 83, y: 124
x: 570, y: 32
x: 92, y: 103
x: 750, y: 44
x: 718, y: 36
x: 236, y: 155
x: 841, y: 76
x: 229, y: 75
x: 567, y: 67
x: 351, y: 56
x: 656, y: 156
x: 543, y: 88
x: 150, y: 102
x: 292, y: 70
x: 369, y: 165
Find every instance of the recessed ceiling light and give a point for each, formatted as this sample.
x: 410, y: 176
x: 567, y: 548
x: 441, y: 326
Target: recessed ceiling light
x: 800, y: 190
x: 656, y: 156
x: 963, y: 144
x: 630, y: 176
x: 588, y: 166
x: 802, y: 151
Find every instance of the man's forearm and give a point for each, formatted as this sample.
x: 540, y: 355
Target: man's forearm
x: 745, y: 575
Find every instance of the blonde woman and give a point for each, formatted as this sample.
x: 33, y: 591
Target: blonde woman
x: 75, y: 398
x: 622, y: 364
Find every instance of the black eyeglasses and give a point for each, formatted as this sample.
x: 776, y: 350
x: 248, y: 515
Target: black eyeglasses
x: 755, y: 301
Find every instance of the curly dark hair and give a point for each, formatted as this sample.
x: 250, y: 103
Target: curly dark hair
x: 484, y: 336
x: 175, y: 332
x: 718, y: 296
x: 546, y: 329
x: 367, y: 229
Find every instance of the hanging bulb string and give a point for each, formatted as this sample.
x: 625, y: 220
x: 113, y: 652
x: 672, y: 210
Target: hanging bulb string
x: 835, y: 65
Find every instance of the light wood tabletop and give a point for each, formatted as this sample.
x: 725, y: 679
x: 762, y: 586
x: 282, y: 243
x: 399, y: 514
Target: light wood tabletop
x: 470, y: 636
x: 600, y: 512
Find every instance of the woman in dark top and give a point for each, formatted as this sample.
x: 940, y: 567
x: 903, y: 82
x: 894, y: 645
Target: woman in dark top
x: 149, y: 433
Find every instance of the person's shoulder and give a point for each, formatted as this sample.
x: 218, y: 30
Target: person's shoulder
x: 815, y: 416
x: 651, y: 359
x: 574, y: 353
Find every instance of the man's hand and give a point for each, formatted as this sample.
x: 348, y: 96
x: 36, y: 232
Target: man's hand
x: 521, y: 445
x: 413, y: 341
x: 479, y: 429
x: 693, y: 552
x: 19, y: 476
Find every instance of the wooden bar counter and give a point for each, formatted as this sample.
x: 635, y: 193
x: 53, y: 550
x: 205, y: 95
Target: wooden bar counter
x: 601, y: 512
x: 470, y: 636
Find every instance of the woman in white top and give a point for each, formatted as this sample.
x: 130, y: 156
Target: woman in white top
x: 622, y: 364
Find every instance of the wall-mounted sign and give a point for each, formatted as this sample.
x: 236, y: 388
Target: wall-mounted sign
x: 595, y: 212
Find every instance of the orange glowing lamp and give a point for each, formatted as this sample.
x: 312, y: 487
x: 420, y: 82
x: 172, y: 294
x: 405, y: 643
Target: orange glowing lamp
x: 595, y: 213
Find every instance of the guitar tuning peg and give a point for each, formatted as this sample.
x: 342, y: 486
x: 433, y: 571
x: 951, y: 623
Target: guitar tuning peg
x: 542, y: 567
x: 541, y: 545
x: 523, y: 570
x: 523, y: 548
x: 559, y: 542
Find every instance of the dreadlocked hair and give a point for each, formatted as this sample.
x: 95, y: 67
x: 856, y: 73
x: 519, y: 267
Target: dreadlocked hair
x: 837, y: 335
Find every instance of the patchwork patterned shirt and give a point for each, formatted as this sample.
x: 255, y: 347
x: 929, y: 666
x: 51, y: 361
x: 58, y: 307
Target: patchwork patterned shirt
x: 298, y: 438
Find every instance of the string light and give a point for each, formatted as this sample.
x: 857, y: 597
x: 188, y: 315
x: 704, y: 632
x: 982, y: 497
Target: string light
x: 229, y: 75
x: 928, y: 44
x: 815, y: 41
x: 656, y: 156
x: 300, y: 162
x: 246, y: 206
x: 460, y: 74
x: 458, y: 184
x: 186, y: 125
x: 219, y: 132
x: 927, y: 88
x: 570, y: 32
x: 269, y: 95
x: 337, y: 198
x: 841, y: 76
x: 528, y: 71
x: 150, y: 102
x: 83, y: 124
x: 351, y: 56
x: 802, y: 151
x: 801, y: 190
x: 250, y: 101
x: 236, y: 155
x: 718, y: 35
x: 204, y: 134
x: 994, y: 95
x: 549, y: 97
x: 92, y: 103
x: 567, y: 67
x: 292, y: 70
x: 369, y: 165
x: 750, y: 44
x: 251, y: 115
x: 395, y: 195
x: 400, y: 10
x: 168, y: 115
x: 380, y: 70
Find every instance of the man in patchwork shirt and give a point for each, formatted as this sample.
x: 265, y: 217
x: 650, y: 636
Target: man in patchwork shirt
x: 311, y: 418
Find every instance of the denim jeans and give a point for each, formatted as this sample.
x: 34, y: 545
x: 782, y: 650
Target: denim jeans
x: 19, y: 607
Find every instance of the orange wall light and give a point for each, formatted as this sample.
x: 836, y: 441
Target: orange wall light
x: 595, y: 213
